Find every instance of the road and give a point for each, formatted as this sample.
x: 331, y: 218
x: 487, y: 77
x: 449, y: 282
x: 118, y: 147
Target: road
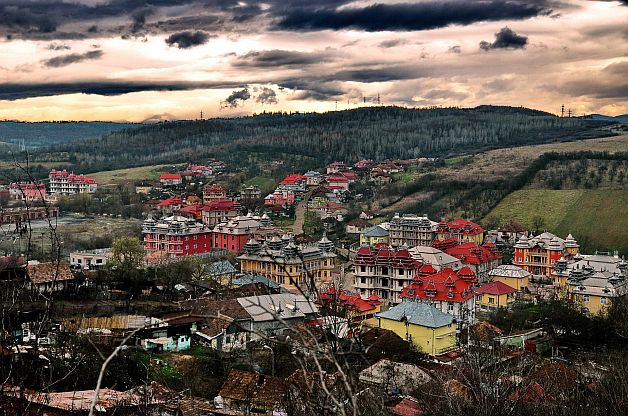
x: 299, y: 214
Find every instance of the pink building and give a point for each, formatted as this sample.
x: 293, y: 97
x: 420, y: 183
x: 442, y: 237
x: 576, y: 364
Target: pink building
x: 281, y: 197
x: 27, y: 191
x: 66, y: 183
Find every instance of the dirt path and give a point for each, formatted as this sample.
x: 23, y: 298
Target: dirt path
x: 299, y: 215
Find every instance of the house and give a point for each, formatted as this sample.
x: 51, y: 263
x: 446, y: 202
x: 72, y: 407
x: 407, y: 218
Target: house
x: 379, y: 177
x: 374, y: 235
x: 448, y: 290
x: 411, y: 230
x: 271, y: 314
x: 394, y: 377
x: 280, y: 197
x: 464, y: 231
x: 511, y: 232
x: 367, y: 215
x: 67, y: 183
x: 539, y: 254
x: 363, y: 164
x: 383, y: 271
x: 481, y: 259
x: 352, y: 306
x: 49, y: 277
x: 287, y: 264
x: 429, y: 329
x: 170, y: 332
x: 494, y: 295
x: 221, y: 271
x: 90, y: 259
x: 357, y: 225
x: 594, y: 281
x: 336, y: 167
x: 213, y: 192
x: 215, y: 211
x: 17, y: 216
x: 250, y: 194
x: 337, y: 181
x: 176, y: 236
x: 511, y: 275
x: 331, y: 209
x: 29, y: 192
x: 170, y: 205
x: 408, y: 406
x: 436, y: 258
x: 245, y: 392
x: 294, y: 182
x: 313, y: 178
x: 170, y: 179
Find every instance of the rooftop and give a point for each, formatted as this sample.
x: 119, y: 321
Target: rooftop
x: 417, y: 313
x: 495, y: 288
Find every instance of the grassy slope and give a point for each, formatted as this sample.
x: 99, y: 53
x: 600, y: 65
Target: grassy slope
x: 598, y: 218
x: 132, y: 174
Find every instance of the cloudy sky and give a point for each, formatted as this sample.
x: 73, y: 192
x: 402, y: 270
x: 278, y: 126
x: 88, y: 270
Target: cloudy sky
x: 140, y: 59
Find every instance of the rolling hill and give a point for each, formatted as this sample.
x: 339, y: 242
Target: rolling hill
x: 370, y: 132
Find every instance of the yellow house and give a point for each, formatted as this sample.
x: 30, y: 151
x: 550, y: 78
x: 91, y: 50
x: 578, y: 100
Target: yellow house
x: 513, y: 276
x: 430, y: 330
x: 493, y: 295
x: 595, y: 293
x: 374, y: 235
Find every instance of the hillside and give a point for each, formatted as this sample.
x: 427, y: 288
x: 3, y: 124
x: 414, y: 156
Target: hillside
x: 370, y: 132
x: 598, y: 218
x: 45, y: 134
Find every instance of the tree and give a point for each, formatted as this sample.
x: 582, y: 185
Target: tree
x: 538, y: 223
x: 127, y: 253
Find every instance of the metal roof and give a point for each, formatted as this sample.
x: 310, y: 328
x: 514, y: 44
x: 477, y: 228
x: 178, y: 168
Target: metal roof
x: 417, y: 313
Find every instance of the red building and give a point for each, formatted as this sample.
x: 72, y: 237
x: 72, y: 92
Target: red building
x: 448, y: 291
x: 176, y: 236
x: 170, y: 205
x: 464, y: 231
x: 481, y: 259
x: 539, y: 254
x: 233, y: 234
x: 170, y: 179
x: 27, y: 191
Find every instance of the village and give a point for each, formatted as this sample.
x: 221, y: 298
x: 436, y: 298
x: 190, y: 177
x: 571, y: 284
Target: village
x: 278, y: 284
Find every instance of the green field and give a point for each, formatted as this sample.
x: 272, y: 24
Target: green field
x: 264, y: 183
x: 597, y: 218
x: 149, y: 173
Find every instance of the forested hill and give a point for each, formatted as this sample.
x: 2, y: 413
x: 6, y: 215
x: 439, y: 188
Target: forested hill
x: 375, y: 132
x: 34, y: 135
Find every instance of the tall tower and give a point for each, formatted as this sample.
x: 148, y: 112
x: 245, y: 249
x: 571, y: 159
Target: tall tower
x: 562, y: 110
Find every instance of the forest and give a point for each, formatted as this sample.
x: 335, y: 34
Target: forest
x: 375, y: 133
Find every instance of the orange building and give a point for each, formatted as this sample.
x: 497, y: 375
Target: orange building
x: 538, y: 255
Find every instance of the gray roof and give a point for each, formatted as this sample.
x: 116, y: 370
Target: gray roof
x: 255, y: 278
x: 418, y: 313
x: 375, y: 231
x: 509, y: 270
x: 220, y: 267
x: 279, y: 306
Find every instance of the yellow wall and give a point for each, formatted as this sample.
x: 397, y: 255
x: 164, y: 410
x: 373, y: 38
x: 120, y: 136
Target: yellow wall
x: 281, y: 274
x: 498, y: 301
x: 463, y: 238
x: 512, y: 281
x: 432, y: 341
x: 593, y: 304
x: 372, y: 241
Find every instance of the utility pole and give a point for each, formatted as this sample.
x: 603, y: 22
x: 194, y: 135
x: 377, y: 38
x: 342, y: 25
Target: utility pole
x: 569, y: 112
x: 201, y: 114
x: 562, y: 110
x: 336, y: 105
x: 378, y: 102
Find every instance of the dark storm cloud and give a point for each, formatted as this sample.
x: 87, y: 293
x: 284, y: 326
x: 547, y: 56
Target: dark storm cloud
x: 278, y: 58
x: 58, y: 47
x: 392, y: 43
x: 506, y: 38
x: 72, y: 58
x: 236, y: 98
x: 379, y: 74
x: 16, y: 91
x: 312, y: 89
x: 409, y: 16
x: 187, y: 39
x: 267, y: 96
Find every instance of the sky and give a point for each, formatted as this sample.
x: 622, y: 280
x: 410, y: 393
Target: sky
x: 138, y: 60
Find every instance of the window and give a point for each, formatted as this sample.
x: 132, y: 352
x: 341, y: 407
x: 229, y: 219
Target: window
x: 491, y: 300
x: 450, y: 306
x: 603, y: 301
x: 187, y: 247
x: 585, y: 298
x: 400, y: 272
x: 363, y: 280
x: 478, y: 298
x: 363, y: 269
